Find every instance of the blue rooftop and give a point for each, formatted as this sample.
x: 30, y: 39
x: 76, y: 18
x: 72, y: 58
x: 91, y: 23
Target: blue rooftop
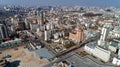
x: 43, y: 52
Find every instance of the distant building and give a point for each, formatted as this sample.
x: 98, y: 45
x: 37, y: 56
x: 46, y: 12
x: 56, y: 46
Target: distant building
x: 22, y: 25
x: 49, y: 26
x: 33, y: 24
x: 41, y: 17
x: 27, y: 25
x: 56, y: 35
x: 3, y: 31
x: 11, y: 43
x: 47, y: 35
x: 88, y: 34
x: 77, y: 35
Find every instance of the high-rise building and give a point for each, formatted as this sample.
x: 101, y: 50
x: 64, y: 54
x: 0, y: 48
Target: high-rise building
x: 3, y: 31
x: 41, y: 17
x: 79, y: 34
x: 104, y: 34
x: 27, y: 25
x: 47, y: 35
x: 22, y: 25
x: 76, y: 36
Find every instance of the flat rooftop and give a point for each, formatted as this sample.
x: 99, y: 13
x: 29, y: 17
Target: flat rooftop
x: 44, y: 53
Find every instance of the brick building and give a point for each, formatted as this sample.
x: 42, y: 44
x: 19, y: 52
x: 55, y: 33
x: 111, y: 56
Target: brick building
x: 76, y: 35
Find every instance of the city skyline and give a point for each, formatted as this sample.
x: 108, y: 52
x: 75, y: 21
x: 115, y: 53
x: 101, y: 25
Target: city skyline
x: 95, y: 3
x: 59, y: 33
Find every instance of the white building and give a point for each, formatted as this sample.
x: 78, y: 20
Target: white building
x: 116, y: 61
x: 89, y: 48
x: 102, y: 54
x: 98, y: 52
x: 101, y: 43
x: 50, y: 26
x: 56, y: 35
x: 47, y: 35
x: 104, y: 33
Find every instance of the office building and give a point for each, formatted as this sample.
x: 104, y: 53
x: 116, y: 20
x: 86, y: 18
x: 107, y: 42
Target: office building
x: 103, y: 37
x: 104, y: 33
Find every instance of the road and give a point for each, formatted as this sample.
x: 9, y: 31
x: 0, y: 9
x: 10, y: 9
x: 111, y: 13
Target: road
x: 79, y: 46
x: 76, y: 47
x: 65, y: 54
x: 70, y: 52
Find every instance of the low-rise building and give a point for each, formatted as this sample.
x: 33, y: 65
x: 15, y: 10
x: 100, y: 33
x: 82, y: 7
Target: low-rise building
x: 10, y: 43
x: 113, y: 46
x: 116, y: 61
x: 98, y: 52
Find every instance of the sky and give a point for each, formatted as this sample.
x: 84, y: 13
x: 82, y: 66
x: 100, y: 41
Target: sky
x: 97, y: 3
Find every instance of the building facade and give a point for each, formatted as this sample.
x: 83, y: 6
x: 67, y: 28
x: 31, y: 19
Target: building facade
x: 3, y: 31
x: 77, y: 36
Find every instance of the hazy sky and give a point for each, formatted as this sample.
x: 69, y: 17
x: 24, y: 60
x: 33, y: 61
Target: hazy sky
x: 99, y: 3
